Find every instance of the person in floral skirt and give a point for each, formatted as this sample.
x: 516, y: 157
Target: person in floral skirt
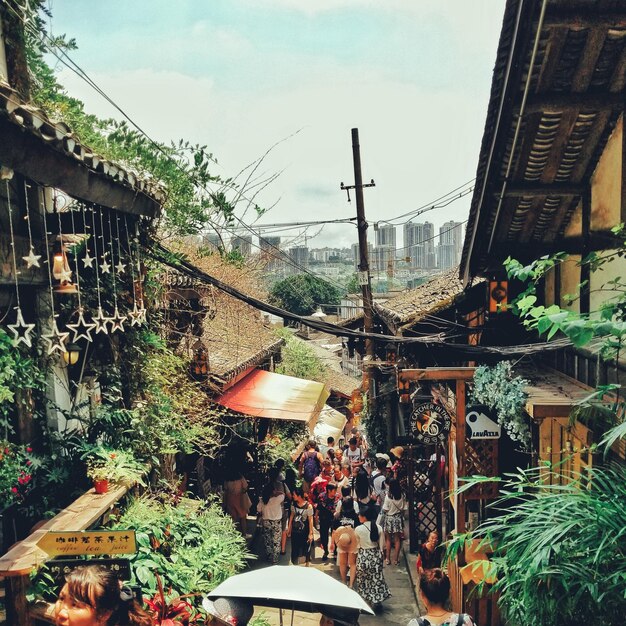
x: 370, y: 581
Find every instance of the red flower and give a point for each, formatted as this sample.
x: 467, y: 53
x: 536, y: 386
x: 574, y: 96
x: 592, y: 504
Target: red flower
x: 29, y: 462
x: 29, y: 449
x: 14, y: 489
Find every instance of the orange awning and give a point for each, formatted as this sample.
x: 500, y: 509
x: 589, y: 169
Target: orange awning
x: 275, y: 396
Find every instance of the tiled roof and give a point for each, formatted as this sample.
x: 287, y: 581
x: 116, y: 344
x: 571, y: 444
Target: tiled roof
x: 411, y: 306
x: 532, y: 172
x: 236, y: 338
x: 340, y: 383
x: 58, y: 136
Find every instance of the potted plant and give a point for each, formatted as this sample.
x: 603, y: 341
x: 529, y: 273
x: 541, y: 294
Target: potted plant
x: 105, y: 465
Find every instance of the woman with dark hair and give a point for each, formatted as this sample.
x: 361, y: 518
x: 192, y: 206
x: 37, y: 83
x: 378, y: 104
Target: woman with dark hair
x: 300, y: 527
x: 435, y: 592
x: 270, y: 510
x: 236, y: 500
x: 393, y: 509
x: 370, y: 581
x: 362, y: 491
x: 94, y: 596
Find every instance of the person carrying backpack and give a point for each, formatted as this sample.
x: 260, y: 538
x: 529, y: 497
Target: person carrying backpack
x: 300, y: 527
x: 310, y: 464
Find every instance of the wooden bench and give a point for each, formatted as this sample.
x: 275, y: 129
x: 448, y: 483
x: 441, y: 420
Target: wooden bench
x: 25, y: 556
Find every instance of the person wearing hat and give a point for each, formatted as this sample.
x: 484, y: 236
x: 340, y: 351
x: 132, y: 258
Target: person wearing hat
x: 399, y: 467
x: 229, y: 610
x: 347, y: 546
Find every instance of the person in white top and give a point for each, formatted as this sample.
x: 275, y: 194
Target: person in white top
x: 370, y: 581
x: 393, y: 509
x: 270, y: 510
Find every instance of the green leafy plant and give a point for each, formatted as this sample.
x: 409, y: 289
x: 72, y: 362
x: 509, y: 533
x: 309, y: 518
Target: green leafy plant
x: 558, y: 548
x: 504, y: 393
x: 115, y: 465
x: 303, y: 293
x: 190, y: 545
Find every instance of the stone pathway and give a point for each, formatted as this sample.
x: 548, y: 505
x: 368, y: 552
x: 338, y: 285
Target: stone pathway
x: 398, y: 609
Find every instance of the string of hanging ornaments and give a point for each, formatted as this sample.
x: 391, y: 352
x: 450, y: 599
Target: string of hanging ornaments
x: 63, y: 273
x: 21, y: 330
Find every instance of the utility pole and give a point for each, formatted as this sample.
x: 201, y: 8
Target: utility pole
x: 364, y: 273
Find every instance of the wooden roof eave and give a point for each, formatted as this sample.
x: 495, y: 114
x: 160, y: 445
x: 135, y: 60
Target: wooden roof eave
x: 585, y: 103
x: 31, y: 157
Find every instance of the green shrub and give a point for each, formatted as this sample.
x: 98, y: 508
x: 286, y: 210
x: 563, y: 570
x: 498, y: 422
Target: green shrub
x: 193, y: 546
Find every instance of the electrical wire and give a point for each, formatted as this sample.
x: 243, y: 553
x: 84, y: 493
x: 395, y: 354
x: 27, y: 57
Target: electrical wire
x: 74, y: 67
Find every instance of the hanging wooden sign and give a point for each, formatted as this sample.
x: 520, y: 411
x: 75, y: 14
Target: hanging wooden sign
x: 430, y: 423
x: 88, y: 542
x: 481, y: 423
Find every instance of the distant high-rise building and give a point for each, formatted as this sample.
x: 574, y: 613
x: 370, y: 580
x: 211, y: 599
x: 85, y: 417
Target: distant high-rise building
x: 450, y: 244
x: 242, y: 243
x: 383, y: 259
x: 356, y: 255
x: 270, y: 252
x: 300, y: 257
x: 386, y: 236
x: 419, y: 244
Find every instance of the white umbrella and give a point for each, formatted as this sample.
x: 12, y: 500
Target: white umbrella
x: 292, y: 587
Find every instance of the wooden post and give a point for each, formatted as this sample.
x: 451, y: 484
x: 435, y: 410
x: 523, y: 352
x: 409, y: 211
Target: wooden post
x: 460, y: 451
x: 413, y: 539
x: 16, y: 604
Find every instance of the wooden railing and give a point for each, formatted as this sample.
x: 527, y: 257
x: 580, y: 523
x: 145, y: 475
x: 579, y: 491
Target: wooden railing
x: 26, y: 556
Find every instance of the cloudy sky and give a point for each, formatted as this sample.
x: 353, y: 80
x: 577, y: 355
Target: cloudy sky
x: 242, y: 75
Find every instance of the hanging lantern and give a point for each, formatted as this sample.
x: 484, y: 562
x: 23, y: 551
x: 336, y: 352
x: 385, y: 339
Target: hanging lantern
x: 72, y: 353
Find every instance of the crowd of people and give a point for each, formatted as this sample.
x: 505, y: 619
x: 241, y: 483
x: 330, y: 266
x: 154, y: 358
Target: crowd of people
x: 356, y: 505
x: 353, y: 506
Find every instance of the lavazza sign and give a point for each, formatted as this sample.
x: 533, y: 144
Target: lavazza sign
x: 480, y: 423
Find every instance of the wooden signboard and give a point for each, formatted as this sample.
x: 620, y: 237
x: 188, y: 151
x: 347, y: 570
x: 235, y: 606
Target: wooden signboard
x: 88, y: 542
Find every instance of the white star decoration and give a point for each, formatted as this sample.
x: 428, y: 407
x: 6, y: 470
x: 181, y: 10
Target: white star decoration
x: 55, y: 339
x: 120, y: 267
x: 88, y: 260
x: 105, y: 267
x: 32, y: 259
x: 17, y: 328
x: 65, y: 276
x: 101, y: 321
x: 81, y: 329
x: 117, y: 321
x: 135, y: 316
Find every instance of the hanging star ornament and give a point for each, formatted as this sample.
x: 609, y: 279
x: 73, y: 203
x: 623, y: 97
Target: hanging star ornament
x: 88, y: 260
x: 55, y: 339
x: 120, y: 267
x: 142, y: 315
x: 105, y: 267
x: 101, y: 320
x: 21, y: 330
x: 32, y: 259
x: 81, y: 328
x: 117, y: 321
x: 65, y: 276
x: 135, y: 316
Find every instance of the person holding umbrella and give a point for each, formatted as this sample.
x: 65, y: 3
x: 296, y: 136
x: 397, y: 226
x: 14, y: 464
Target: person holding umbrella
x: 370, y: 580
x: 300, y: 527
